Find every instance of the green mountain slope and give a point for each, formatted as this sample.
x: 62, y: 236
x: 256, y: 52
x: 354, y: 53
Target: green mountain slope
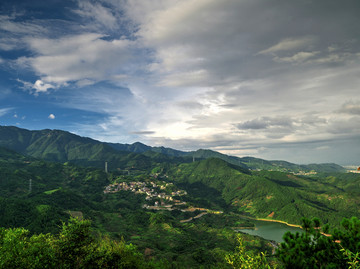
x: 57, y: 145
x: 273, y: 194
x: 35, y: 194
x: 61, y: 146
x: 260, y: 164
x: 284, y: 166
x: 58, y: 190
x: 38, y: 195
x: 53, y: 145
x: 141, y: 148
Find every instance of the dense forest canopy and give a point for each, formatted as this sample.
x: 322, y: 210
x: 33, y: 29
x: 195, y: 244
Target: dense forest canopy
x: 165, y: 210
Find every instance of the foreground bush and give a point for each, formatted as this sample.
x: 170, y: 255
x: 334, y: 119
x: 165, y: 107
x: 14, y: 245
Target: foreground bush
x: 74, y: 247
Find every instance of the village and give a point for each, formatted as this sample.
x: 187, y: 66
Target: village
x: 162, y: 195
x: 150, y: 189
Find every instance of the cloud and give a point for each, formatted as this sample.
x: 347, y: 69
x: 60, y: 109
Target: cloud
x: 51, y: 116
x: 266, y: 122
x: 143, y: 132
x: 336, y: 58
x: 4, y: 111
x: 192, y: 105
x: 289, y: 44
x: 40, y: 86
x: 253, y: 124
x: 100, y: 15
x: 10, y: 25
x: 186, y: 37
x: 15, y: 27
x: 296, y: 58
x: 323, y: 148
x: 78, y: 58
x: 351, y: 107
x: 25, y: 84
x: 349, y: 127
x: 8, y: 44
x: 202, y: 73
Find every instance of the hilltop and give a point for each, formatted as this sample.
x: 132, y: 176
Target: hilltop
x: 62, y: 146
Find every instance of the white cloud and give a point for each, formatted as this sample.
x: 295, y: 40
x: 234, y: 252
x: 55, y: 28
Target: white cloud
x: 188, y: 39
x: 86, y: 57
x: 289, y: 44
x: 220, y: 74
x: 96, y: 12
x: 4, y: 111
x: 296, y: 58
x: 40, y: 86
x: 8, y: 44
x: 217, y: 48
x: 8, y: 24
x: 51, y: 116
x: 184, y: 79
x: 335, y: 58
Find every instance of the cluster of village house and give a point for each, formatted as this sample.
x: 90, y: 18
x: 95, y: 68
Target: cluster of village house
x: 152, y: 191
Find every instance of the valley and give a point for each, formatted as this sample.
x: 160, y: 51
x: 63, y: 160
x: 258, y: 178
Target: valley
x: 182, y: 211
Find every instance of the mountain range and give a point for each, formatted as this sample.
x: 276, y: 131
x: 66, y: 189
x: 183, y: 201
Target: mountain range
x: 47, y: 175
x: 62, y: 146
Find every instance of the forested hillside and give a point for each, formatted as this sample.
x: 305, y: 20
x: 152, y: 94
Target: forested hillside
x: 61, y: 146
x: 39, y: 195
x: 177, y: 212
x: 276, y: 195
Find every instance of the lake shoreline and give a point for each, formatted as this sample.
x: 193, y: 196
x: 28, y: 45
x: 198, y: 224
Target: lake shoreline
x: 272, y: 220
x: 280, y: 221
x: 243, y: 228
x: 269, y: 229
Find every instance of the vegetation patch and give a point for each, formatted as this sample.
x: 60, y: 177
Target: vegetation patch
x: 51, y: 191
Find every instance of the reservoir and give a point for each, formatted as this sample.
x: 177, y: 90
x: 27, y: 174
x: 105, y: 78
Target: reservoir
x: 270, y: 230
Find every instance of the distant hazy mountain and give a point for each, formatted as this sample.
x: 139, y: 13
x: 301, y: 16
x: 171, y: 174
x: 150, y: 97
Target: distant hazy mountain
x: 260, y: 164
x: 62, y: 146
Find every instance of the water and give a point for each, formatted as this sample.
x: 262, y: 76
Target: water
x: 270, y: 230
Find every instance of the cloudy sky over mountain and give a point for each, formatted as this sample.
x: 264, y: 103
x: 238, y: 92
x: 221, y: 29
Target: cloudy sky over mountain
x: 275, y: 79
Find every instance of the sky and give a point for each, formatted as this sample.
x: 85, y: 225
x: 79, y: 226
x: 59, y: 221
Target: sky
x: 274, y: 79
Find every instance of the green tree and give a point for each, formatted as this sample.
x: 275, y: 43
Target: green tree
x: 246, y: 260
x: 353, y: 259
x: 17, y: 250
x: 314, y: 248
x: 74, y: 243
x: 74, y: 247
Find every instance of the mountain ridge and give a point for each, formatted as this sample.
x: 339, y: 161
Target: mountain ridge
x: 62, y: 146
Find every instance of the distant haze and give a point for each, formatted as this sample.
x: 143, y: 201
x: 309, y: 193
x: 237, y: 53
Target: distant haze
x: 272, y: 79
